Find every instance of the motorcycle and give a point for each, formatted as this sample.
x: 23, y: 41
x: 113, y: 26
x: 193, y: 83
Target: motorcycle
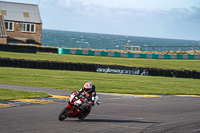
x: 76, y: 106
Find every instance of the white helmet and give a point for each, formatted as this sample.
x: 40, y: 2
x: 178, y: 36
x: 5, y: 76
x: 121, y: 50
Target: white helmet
x: 88, y: 86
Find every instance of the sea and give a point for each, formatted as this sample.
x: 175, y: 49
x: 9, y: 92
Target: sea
x: 71, y: 39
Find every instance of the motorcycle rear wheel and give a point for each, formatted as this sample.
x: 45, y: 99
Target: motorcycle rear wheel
x: 63, y: 114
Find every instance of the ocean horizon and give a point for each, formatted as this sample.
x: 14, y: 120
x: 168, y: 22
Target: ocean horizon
x: 73, y: 39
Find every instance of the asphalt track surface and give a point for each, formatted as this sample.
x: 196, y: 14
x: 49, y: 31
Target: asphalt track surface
x: 115, y: 114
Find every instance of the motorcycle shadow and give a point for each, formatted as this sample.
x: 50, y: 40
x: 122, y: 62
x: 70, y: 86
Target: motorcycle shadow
x: 107, y: 121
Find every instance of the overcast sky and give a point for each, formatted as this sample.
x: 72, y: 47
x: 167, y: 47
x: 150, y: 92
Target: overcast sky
x: 177, y: 19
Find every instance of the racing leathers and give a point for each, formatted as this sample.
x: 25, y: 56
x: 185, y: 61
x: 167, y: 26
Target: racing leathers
x: 91, y: 97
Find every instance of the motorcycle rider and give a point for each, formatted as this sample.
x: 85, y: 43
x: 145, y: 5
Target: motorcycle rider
x: 90, y: 93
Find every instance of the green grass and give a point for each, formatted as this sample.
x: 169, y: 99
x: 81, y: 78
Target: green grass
x: 136, y: 62
x: 112, y: 83
x: 6, y: 94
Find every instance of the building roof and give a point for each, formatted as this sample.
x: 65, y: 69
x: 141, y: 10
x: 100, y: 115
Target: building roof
x: 20, y: 12
x: 2, y: 27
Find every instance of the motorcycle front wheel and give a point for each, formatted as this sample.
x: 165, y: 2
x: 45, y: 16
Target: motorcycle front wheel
x: 63, y: 114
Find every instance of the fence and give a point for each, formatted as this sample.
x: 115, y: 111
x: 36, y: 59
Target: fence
x: 127, y: 55
x: 161, y: 48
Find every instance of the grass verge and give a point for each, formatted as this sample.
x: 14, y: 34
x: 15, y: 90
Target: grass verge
x: 111, y: 83
x: 134, y: 62
x: 6, y: 94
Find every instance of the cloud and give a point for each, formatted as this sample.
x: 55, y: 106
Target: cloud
x: 132, y: 4
x: 129, y: 17
x: 196, y: 14
x: 126, y: 11
x: 129, y: 8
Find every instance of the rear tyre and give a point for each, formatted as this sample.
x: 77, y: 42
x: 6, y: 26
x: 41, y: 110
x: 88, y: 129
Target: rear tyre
x: 63, y: 114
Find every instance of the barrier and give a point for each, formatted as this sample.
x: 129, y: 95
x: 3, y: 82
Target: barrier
x: 18, y: 48
x: 34, y: 49
x: 47, y: 49
x: 53, y: 65
x: 28, y: 48
x: 128, y: 55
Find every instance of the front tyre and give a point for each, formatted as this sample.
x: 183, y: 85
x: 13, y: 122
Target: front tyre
x: 63, y: 114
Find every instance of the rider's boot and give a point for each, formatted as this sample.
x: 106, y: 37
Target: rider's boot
x: 85, y: 113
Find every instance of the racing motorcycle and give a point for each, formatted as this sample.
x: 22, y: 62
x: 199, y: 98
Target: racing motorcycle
x: 76, y: 106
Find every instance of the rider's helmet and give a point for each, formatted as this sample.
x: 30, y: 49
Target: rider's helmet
x: 88, y: 86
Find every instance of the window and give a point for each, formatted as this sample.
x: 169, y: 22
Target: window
x: 9, y: 26
x: 3, y: 12
x: 28, y: 27
x: 26, y: 14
